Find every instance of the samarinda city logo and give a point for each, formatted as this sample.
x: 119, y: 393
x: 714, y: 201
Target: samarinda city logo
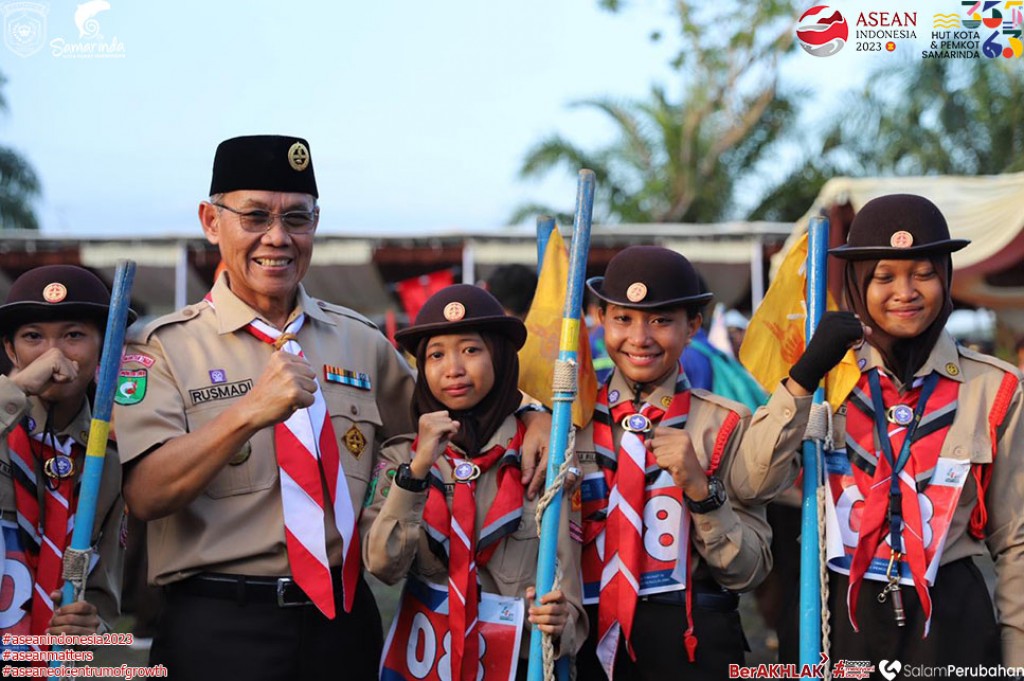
x: 25, y: 31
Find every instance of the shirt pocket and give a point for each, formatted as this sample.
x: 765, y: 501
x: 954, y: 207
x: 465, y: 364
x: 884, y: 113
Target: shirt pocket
x: 251, y: 468
x: 515, y: 561
x: 356, y: 421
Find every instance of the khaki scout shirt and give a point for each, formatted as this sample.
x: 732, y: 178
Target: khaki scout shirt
x: 201, y: 360
x: 394, y: 541
x: 103, y: 586
x: 734, y: 540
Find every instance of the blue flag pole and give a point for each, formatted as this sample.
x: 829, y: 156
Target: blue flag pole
x: 810, y: 567
x: 561, y: 418
x: 99, y: 430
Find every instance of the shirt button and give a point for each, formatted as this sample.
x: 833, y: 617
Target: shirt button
x: 188, y: 312
x: 354, y: 409
x: 84, y: 435
x: 11, y: 409
x: 959, y: 451
x: 788, y: 413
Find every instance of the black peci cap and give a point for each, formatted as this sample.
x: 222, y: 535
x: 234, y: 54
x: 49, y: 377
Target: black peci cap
x: 263, y: 162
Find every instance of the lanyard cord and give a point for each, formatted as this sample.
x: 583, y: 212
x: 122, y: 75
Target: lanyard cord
x: 897, y: 465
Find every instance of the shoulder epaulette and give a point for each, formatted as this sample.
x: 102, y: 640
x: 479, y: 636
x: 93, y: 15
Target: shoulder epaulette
x: 988, y: 359
x: 185, y: 314
x: 342, y: 311
x: 719, y: 401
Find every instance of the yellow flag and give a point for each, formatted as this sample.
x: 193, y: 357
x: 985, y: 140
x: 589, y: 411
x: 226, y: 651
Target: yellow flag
x: 775, y: 336
x: 544, y: 324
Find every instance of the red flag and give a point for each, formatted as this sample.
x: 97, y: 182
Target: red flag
x: 414, y: 291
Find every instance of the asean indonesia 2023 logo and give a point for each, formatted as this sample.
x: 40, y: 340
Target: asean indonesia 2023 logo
x: 822, y: 31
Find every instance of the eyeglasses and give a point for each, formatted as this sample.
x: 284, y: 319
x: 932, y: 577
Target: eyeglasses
x: 260, y: 221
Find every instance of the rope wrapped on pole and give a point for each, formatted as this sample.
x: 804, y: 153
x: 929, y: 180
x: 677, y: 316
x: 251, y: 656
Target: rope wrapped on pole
x: 564, y: 393
x: 77, y: 556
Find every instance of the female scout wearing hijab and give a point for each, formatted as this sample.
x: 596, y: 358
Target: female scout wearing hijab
x: 52, y: 326
x: 456, y: 513
x: 933, y: 461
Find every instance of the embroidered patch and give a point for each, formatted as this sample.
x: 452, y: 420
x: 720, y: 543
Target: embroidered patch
x: 224, y: 391
x: 354, y: 441
x: 586, y: 457
x: 131, y: 386
x: 371, y: 489
x: 138, y: 358
x: 333, y: 374
x: 218, y: 376
x: 613, y: 397
x: 577, y: 500
x: 576, y: 531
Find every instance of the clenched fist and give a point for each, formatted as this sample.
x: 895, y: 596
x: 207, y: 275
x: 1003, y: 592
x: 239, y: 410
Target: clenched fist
x: 287, y: 384
x: 673, y: 450
x: 436, y: 429
x: 51, y: 368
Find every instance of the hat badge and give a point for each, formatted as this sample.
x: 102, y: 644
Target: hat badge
x: 901, y: 239
x: 636, y: 292
x: 298, y: 156
x: 55, y: 292
x: 453, y: 312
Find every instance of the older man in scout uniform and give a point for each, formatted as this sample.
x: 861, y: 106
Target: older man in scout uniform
x: 52, y: 327
x: 667, y: 540
x: 247, y: 424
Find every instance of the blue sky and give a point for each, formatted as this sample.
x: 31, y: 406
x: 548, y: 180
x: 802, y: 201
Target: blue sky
x: 418, y: 114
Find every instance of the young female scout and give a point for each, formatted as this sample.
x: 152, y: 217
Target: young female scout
x: 52, y: 326
x: 668, y: 542
x: 933, y: 465
x: 453, y: 515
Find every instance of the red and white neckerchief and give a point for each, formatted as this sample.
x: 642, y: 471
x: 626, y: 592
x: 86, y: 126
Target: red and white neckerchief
x: 626, y: 471
x: 305, y: 444
x: 456, y: 530
x: 47, y: 542
x: 873, y: 472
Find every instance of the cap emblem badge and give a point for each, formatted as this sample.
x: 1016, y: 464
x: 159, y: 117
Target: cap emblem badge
x: 55, y: 292
x: 636, y: 292
x: 902, y: 239
x: 453, y: 312
x: 298, y: 156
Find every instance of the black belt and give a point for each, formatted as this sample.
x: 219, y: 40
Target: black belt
x: 705, y: 597
x: 243, y: 589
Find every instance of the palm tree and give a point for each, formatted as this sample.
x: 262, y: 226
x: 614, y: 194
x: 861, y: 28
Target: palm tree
x: 936, y: 117
x: 680, y: 161
x: 19, y: 185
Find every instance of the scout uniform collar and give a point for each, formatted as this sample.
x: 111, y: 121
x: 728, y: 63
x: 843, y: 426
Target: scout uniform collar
x: 502, y: 436
x: 78, y: 429
x: 233, y: 314
x: 622, y: 390
x: 944, y: 359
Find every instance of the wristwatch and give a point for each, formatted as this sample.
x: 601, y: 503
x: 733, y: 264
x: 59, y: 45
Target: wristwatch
x: 405, y: 480
x: 714, y: 500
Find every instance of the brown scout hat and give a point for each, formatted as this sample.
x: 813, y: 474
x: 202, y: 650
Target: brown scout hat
x: 461, y: 306
x: 649, y: 277
x: 269, y: 162
x: 898, y: 227
x: 56, y: 292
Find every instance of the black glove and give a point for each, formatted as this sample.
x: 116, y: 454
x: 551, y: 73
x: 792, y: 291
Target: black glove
x: 836, y: 332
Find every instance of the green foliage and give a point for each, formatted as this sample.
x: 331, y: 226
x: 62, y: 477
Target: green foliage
x: 680, y: 159
x: 19, y: 185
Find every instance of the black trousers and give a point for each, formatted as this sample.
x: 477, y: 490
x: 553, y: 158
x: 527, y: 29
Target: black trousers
x: 963, y: 630
x: 202, y: 638
x: 658, y: 643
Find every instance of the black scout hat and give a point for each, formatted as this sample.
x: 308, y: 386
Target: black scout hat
x: 898, y: 227
x: 649, y: 277
x: 461, y: 306
x: 269, y: 162
x: 56, y: 292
